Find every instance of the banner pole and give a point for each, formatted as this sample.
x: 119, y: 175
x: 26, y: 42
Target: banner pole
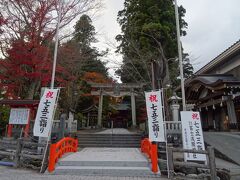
x: 53, y: 74
x: 165, y: 131
x: 50, y: 132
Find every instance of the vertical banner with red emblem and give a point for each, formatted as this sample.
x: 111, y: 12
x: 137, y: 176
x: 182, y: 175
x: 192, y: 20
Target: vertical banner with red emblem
x: 155, y: 116
x: 192, y: 135
x: 45, y: 113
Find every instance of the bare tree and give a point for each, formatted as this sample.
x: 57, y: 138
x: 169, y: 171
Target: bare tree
x: 39, y: 17
x: 33, y: 22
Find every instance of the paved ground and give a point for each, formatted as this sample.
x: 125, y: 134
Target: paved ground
x: 109, y: 131
x: 233, y: 168
x: 115, y: 131
x: 106, y: 154
x: 7, y: 173
x: 226, y: 143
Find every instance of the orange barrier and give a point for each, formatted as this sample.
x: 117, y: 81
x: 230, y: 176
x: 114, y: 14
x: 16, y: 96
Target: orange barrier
x: 150, y: 149
x: 65, y: 145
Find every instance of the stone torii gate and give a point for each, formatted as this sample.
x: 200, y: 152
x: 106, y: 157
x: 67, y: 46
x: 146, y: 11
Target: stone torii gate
x: 115, y: 90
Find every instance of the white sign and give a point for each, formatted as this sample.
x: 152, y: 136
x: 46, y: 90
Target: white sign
x: 45, y: 113
x: 192, y: 135
x: 155, y: 116
x: 19, y: 116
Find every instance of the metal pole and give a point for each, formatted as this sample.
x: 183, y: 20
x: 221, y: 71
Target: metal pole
x: 52, y: 80
x: 56, y: 44
x: 180, y: 56
x: 48, y: 138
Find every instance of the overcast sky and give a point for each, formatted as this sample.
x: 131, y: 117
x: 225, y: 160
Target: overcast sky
x: 213, y: 26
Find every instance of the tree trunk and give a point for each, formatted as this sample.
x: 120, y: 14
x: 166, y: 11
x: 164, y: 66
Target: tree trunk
x: 32, y: 89
x: 166, y: 79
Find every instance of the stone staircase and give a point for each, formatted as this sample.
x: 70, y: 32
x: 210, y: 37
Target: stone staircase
x: 105, y: 162
x: 109, y: 140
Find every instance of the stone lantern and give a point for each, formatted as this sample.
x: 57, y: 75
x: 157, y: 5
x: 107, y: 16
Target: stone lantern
x: 174, y: 106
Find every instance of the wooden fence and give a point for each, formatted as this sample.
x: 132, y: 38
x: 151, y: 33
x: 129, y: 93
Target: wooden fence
x: 210, y: 160
x: 20, y: 149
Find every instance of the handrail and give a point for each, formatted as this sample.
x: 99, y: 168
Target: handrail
x: 65, y: 145
x: 150, y: 149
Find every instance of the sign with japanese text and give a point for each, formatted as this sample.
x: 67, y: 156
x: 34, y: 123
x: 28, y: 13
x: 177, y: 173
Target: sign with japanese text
x: 19, y: 116
x: 192, y: 135
x: 155, y: 116
x: 45, y: 113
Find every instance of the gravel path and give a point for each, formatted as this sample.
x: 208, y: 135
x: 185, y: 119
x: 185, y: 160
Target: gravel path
x: 7, y: 173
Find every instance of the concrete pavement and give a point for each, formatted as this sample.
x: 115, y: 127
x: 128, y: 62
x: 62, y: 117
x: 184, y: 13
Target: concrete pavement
x: 8, y: 173
x: 106, y: 162
x: 225, y: 142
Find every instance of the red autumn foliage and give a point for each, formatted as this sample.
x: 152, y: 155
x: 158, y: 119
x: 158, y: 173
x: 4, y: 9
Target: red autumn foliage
x: 28, y: 62
x: 28, y: 28
x: 95, y: 77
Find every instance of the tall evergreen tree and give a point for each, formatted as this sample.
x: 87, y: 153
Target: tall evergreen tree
x: 149, y: 34
x: 79, y: 53
x: 81, y: 58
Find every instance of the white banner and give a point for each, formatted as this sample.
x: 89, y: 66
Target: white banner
x: 192, y: 135
x: 155, y: 116
x: 19, y: 116
x: 45, y: 113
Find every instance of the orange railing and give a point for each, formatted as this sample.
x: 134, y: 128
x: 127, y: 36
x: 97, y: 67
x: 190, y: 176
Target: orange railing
x: 150, y: 149
x: 65, y: 145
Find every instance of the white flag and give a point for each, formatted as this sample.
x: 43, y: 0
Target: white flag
x: 45, y: 112
x: 155, y: 116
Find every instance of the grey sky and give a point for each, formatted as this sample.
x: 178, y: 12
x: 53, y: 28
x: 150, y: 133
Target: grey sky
x: 213, y: 26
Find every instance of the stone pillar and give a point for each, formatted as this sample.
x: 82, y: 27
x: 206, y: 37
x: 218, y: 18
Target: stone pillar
x: 63, y: 118
x: 133, y: 107
x: 231, y: 113
x: 70, y: 121
x: 175, y: 112
x: 100, y: 104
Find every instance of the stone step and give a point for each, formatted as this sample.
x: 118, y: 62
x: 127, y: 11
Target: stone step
x: 108, y: 135
x: 95, y: 134
x: 109, y: 145
x: 117, y: 142
x: 105, y: 171
x: 108, y: 141
x: 105, y: 163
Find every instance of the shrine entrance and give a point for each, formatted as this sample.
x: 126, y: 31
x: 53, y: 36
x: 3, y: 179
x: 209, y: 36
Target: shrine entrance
x: 116, y: 91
